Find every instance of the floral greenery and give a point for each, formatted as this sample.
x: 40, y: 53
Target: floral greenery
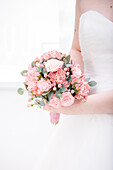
x: 47, y: 95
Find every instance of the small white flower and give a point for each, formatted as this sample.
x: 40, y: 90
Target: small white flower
x: 54, y: 88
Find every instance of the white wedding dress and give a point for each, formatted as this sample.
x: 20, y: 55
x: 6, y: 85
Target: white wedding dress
x: 85, y: 142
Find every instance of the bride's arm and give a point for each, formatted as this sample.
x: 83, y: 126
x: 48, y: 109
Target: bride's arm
x: 98, y: 103
x: 75, y: 51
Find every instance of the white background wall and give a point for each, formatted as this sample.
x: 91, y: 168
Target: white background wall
x: 27, y: 29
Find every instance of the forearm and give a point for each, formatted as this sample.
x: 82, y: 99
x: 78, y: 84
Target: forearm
x: 98, y: 103
x: 77, y: 57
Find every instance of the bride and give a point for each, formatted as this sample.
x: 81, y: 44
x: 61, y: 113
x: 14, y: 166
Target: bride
x: 84, y: 138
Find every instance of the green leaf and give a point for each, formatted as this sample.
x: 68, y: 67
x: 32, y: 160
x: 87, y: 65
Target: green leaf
x: 39, y: 69
x: 38, y: 104
x: 25, y: 86
x: 39, y: 75
x: 47, y: 101
x: 44, y: 97
x: 37, y: 100
x: 71, y: 62
x: 77, y: 89
x: 58, y: 94
x: 24, y: 71
x: 20, y: 91
x: 39, y: 96
x: 63, y: 89
x: 69, y: 79
x: 46, y: 92
x: 42, y: 103
x: 63, y: 66
x: 87, y: 79
x: 68, y: 65
x: 44, y: 70
x: 37, y: 61
x: 33, y: 64
x: 49, y: 96
x: 92, y: 83
x: 63, y: 57
x: 67, y: 59
x: 73, y: 86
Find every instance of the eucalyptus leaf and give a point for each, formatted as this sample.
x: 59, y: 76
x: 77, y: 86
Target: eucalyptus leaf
x: 39, y: 96
x: 68, y: 65
x: 63, y: 66
x: 39, y: 68
x: 42, y: 103
x: 24, y: 71
x: 69, y: 79
x: 25, y: 86
x: 58, y: 94
x: 67, y: 59
x: 46, y: 92
x: 63, y: 89
x: 20, y: 91
x: 47, y: 101
x: 38, y: 104
x: 44, y: 97
x: 33, y: 64
x: 44, y: 70
x: 92, y: 83
x: 37, y: 100
x: 49, y: 96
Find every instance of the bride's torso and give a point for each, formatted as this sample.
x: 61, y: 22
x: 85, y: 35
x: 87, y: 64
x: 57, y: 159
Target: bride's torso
x: 96, y: 43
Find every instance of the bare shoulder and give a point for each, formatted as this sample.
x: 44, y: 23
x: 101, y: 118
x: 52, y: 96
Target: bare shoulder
x: 85, y: 5
x: 103, y: 6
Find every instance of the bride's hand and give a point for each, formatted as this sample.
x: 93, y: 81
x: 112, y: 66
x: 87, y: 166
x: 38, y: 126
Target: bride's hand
x: 63, y: 110
x: 98, y: 103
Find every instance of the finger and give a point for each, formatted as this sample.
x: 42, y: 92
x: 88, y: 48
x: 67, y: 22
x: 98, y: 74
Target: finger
x: 46, y: 108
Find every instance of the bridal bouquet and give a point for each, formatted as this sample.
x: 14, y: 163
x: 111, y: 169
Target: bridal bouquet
x: 55, y: 79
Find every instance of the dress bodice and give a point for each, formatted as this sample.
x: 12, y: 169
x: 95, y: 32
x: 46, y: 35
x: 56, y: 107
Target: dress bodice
x: 96, y: 43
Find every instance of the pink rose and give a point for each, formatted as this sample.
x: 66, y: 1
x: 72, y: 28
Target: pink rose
x: 39, y: 64
x: 76, y: 72
x: 32, y: 86
x: 44, y: 84
x: 38, y: 92
x: 67, y: 99
x: 53, y: 65
x: 58, y: 77
x: 37, y: 59
x: 55, y: 102
x: 51, y: 54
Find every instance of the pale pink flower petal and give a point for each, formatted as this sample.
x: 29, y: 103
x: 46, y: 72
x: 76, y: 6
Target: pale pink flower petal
x: 67, y: 99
